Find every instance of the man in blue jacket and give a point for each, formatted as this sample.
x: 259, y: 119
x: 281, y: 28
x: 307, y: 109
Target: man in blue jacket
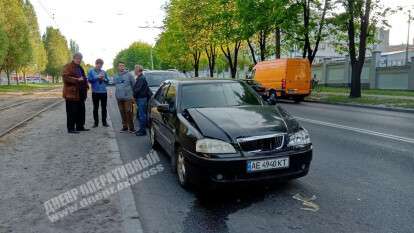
x: 98, y: 80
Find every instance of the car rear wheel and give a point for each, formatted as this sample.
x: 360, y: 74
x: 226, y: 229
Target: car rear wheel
x: 298, y: 99
x: 182, y: 169
x: 153, y: 139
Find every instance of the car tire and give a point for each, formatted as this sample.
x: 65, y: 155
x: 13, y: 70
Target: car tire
x: 272, y: 100
x: 298, y: 99
x: 182, y: 169
x: 153, y: 138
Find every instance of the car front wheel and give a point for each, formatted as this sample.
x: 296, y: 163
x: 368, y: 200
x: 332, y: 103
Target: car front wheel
x: 182, y: 169
x: 153, y: 139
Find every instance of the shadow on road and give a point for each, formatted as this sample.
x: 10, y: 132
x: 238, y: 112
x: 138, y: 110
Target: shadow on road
x: 211, y: 209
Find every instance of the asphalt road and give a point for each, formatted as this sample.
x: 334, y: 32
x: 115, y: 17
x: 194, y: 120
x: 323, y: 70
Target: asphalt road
x: 361, y: 180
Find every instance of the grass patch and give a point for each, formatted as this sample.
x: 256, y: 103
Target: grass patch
x: 28, y: 87
x: 366, y: 100
x: 368, y: 91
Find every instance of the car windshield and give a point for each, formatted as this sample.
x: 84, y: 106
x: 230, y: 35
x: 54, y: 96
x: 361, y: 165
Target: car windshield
x: 154, y: 79
x: 220, y: 94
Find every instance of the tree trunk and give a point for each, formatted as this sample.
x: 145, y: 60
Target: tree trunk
x: 277, y: 43
x: 211, y: 55
x: 357, y: 61
x: 356, y: 80
x: 232, y: 57
x: 8, y: 77
x: 252, y: 51
x: 24, y: 77
x: 196, y: 62
x: 196, y: 68
x: 262, y: 44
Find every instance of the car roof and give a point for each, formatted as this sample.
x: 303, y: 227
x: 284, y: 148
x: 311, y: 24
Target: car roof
x: 161, y: 71
x: 200, y: 80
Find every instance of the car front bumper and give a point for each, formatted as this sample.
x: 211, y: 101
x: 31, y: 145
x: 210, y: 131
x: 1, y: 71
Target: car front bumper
x: 234, y: 170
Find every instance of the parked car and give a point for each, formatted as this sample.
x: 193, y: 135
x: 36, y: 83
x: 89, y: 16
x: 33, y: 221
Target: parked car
x: 286, y: 78
x: 221, y: 131
x: 156, y: 77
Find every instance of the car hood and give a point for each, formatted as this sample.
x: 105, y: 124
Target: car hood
x: 231, y: 123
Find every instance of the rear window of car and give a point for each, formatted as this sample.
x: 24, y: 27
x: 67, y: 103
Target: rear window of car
x: 154, y: 79
x: 220, y: 94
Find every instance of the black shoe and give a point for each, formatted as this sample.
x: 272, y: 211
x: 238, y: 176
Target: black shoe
x: 95, y: 126
x: 73, y: 132
x: 83, y: 130
x: 105, y: 125
x: 124, y: 130
x: 141, y: 133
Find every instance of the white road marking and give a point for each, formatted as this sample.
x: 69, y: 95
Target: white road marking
x: 365, y: 131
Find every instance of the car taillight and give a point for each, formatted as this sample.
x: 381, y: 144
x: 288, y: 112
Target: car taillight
x: 283, y: 83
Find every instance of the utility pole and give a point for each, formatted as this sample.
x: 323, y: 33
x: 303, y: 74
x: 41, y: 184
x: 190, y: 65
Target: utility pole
x: 408, y: 38
x: 152, y: 59
x: 152, y: 47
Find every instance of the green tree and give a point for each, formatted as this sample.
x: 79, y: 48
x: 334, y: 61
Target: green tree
x: 184, y: 20
x: 16, y: 27
x: 38, y: 59
x: 74, y: 47
x: 230, y: 33
x: 57, y: 51
x: 137, y: 53
x: 172, y: 51
x: 258, y: 21
x: 356, y: 27
x: 4, y: 40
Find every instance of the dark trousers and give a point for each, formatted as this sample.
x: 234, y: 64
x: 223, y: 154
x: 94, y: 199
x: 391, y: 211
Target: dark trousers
x: 74, y: 114
x: 82, y: 113
x: 142, y: 113
x: 102, y: 98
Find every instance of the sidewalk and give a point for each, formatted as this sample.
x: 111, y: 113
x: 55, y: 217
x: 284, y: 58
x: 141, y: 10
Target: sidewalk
x: 399, y: 103
x: 41, y: 161
x: 371, y: 95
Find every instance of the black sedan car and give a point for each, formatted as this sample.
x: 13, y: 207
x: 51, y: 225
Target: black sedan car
x: 221, y: 131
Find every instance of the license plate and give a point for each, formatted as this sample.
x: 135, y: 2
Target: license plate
x: 267, y: 164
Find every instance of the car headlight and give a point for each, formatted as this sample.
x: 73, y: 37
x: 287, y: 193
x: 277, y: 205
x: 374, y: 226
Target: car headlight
x: 299, y: 139
x: 213, y: 146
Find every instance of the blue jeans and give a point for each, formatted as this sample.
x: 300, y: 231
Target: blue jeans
x: 142, y: 113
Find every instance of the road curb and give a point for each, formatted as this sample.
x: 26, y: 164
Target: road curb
x: 405, y: 110
x: 130, y: 217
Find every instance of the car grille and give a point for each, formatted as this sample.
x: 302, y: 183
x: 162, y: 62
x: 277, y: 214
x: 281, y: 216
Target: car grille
x: 261, y: 143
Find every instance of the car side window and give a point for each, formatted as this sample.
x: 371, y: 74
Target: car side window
x: 160, y: 97
x: 171, y: 95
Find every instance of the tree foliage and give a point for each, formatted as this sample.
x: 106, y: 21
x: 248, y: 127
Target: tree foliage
x: 73, y: 46
x: 4, y: 40
x: 57, y: 50
x: 38, y: 58
x: 19, y: 51
x: 137, y: 53
x: 357, y: 25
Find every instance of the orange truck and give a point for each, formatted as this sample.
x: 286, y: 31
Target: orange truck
x: 286, y: 78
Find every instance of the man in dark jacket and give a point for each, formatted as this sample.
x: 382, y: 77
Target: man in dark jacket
x: 141, y: 94
x: 75, y: 88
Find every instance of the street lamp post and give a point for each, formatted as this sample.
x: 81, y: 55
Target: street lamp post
x: 152, y: 47
x: 408, y: 38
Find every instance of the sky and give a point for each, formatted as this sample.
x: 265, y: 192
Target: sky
x: 104, y: 27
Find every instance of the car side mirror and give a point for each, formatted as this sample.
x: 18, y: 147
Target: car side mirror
x: 164, y: 108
